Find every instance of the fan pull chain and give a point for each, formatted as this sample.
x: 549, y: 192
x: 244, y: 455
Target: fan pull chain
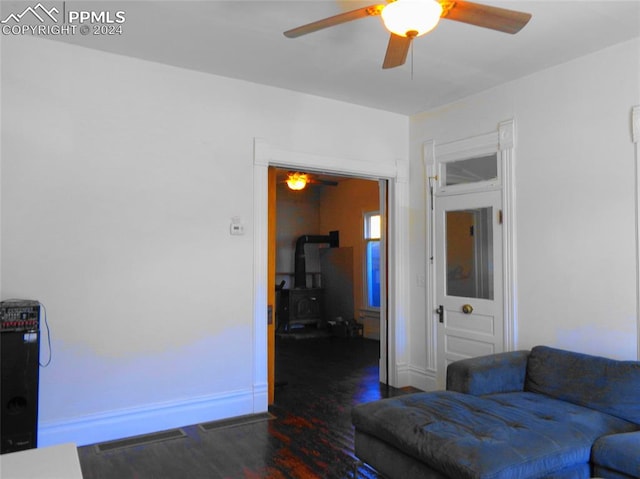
x: 412, y: 61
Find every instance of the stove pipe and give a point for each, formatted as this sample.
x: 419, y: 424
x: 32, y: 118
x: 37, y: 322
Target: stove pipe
x: 300, y: 268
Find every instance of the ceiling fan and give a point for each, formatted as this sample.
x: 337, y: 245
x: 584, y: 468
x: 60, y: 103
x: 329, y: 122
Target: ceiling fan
x: 297, y: 180
x: 408, y: 19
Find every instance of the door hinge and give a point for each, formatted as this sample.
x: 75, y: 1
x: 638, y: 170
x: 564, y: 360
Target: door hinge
x: 499, y: 217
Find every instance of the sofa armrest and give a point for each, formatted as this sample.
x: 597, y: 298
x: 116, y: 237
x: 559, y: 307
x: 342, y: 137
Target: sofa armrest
x: 496, y: 373
x: 619, y: 453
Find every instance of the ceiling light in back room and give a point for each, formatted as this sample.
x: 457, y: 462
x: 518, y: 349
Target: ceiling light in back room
x: 297, y: 181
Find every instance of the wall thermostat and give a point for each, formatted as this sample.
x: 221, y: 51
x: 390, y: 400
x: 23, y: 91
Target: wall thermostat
x: 237, y: 228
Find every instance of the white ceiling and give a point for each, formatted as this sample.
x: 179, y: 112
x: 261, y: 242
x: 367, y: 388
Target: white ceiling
x: 243, y: 39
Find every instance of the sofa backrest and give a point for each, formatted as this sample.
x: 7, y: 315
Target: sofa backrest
x: 606, y: 385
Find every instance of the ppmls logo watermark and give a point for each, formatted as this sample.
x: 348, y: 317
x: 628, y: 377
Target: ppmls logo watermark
x: 49, y: 19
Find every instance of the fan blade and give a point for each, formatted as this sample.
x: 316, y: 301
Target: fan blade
x: 495, y: 18
x: 320, y: 181
x: 397, y: 50
x: 327, y: 182
x: 372, y: 10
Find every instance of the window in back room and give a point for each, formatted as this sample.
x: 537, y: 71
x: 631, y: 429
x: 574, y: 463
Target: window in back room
x: 372, y: 227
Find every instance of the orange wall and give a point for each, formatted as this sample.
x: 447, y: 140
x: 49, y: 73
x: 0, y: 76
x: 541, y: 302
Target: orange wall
x: 342, y: 209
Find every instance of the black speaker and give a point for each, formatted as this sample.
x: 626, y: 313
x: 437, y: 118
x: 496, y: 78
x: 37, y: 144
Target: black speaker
x: 20, y: 356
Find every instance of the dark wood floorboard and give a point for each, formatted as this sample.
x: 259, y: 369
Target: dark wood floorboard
x: 318, y: 382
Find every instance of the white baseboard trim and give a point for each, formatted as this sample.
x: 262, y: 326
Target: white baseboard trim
x: 260, y: 397
x: 402, y: 376
x: 425, y: 379
x: 112, y: 425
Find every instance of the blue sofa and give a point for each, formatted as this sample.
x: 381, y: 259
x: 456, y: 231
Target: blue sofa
x: 545, y: 413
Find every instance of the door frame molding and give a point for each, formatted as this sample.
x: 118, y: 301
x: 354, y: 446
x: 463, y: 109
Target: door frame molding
x: 635, y: 137
x: 397, y: 175
x: 501, y: 141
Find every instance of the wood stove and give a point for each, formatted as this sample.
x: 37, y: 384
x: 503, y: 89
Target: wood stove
x: 301, y: 306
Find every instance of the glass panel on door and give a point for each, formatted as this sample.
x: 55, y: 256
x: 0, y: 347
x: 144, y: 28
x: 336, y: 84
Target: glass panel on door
x: 469, y: 258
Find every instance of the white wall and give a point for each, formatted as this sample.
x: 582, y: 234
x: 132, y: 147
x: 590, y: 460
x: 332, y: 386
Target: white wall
x: 119, y: 181
x: 574, y: 167
x: 120, y: 178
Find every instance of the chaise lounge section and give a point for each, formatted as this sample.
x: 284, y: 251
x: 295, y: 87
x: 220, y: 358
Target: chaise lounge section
x: 545, y: 413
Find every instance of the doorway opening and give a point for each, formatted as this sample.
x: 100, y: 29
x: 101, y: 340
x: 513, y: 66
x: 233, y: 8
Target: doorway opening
x: 393, y: 178
x: 329, y: 248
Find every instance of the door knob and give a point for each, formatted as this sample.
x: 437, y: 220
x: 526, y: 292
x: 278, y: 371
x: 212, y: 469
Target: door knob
x: 467, y: 309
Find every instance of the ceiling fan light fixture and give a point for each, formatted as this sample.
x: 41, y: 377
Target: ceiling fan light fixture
x: 297, y: 181
x: 411, y: 18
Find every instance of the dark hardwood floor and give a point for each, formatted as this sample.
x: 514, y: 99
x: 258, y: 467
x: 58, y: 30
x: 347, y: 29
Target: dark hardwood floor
x: 309, y: 434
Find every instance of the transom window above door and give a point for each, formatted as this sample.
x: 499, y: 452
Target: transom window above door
x: 470, y: 170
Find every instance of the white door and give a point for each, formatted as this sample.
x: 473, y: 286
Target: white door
x: 469, y: 283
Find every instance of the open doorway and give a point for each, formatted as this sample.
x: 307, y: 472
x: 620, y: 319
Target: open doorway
x: 329, y: 271
x: 393, y: 177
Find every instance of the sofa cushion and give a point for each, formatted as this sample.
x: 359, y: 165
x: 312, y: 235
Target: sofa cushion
x: 495, y: 373
x: 618, y: 452
x: 492, y: 437
x: 601, y: 472
x: 607, y: 385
